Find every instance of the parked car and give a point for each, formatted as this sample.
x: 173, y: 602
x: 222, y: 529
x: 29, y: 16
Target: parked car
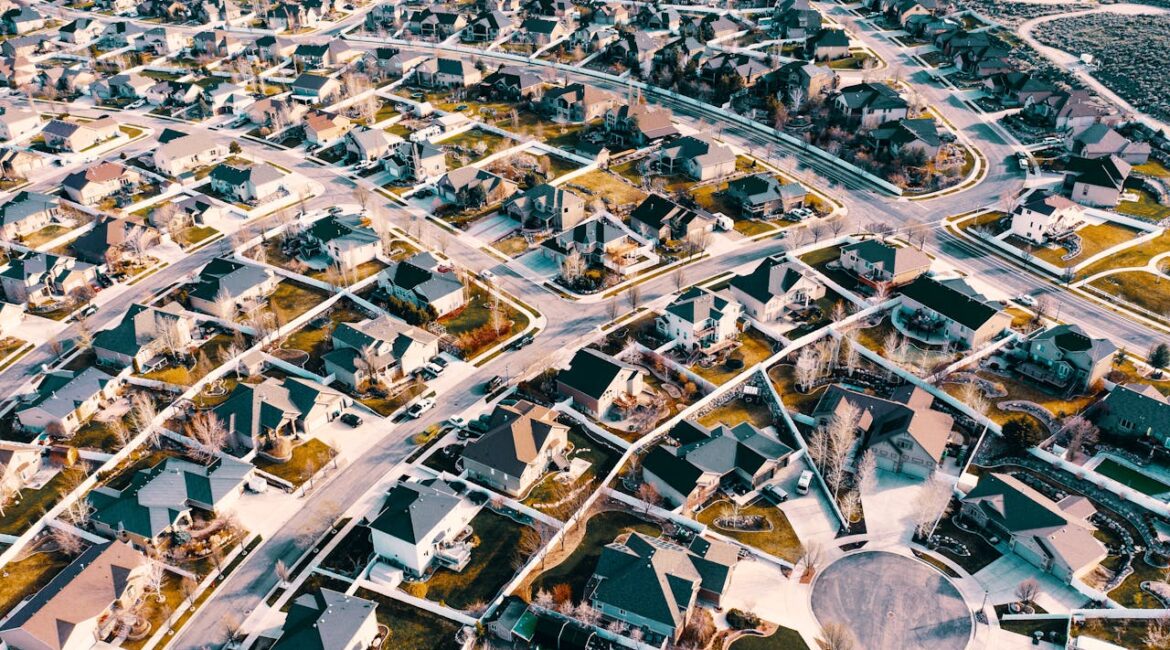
x: 457, y: 421
x: 523, y: 341
x: 493, y: 383
x: 420, y: 407
x: 776, y: 493
x: 352, y: 419
x: 488, y: 275
x: 1026, y: 300
x: 440, y: 361
x: 804, y: 482
x: 435, y: 369
x: 479, y: 425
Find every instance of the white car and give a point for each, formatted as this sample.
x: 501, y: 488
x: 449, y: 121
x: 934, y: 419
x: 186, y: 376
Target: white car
x: 488, y: 275
x: 457, y: 421
x: 1026, y: 300
x: 434, y: 369
x: 138, y: 104
x: 420, y: 407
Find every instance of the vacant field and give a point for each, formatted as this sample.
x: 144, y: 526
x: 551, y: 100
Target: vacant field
x: 1129, y: 50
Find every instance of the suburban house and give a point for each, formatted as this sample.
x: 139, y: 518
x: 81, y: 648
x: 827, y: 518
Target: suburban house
x: 904, y: 433
x: 39, y: 278
x: 1044, y: 217
x: 275, y: 112
x: 92, y: 184
x: 1135, y: 411
x: 698, y: 157
x: 159, y: 500
x: 745, y: 69
x: 1018, y: 88
x: 1064, y: 357
x: 415, y: 161
x: 488, y: 26
x: 700, y: 320
x: 775, y: 287
x: 366, y: 144
x: 473, y: 187
x: 656, y: 585
x: 181, y: 152
x: 199, y: 209
x: 799, y: 80
x: 601, y: 244
x: 905, y: 135
x: 1100, y: 140
x: 1097, y: 182
x: 931, y: 309
x: 316, y: 88
x: 546, y: 207
x: 339, y: 241
x: 576, y: 102
x: 436, y: 22
x: 447, y: 73
x: 763, y: 195
x: 1068, y: 111
x: 144, y: 335
x: 871, y: 104
x: 637, y: 124
x: 113, y: 240
x: 329, y: 620
x: 827, y: 45
x: 325, y: 129
x: 259, y: 414
x: 382, y: 348
x: 77, y: 136
x: 63, y: 401
x: 251, y: 185
x: 875, y: 262
x: 514, y: 84
x: 595, y: 381
x: 1055, y: 536
x: 15, y: 123
x: 19, y: 463
x: 27, y: 212
x: 659, y: 219
x: 542, y: 31
x: 522, y: 441
x: 698, y: 461
x: 227, y: 285
x: 80, y: 606
x: 422, y: 281
x: 424, y: 524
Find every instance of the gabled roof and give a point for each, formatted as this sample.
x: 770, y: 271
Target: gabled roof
x: 593, y: 372
x: 517, y: 437
x: 907, y: 411
x: 893, y: 259
x: 324, y: 620
x: 420, y: 275
x: 775, y: 276
x: 413, y: 510
x: 270, y: 404
x: 1108, y: 171
x: 872, y: 96
x: 60, y: 393
x: 26, y: 204
x: 697, y: 304
x: 227, y: 277
x: 1143, y: 405
x: 969, y: 311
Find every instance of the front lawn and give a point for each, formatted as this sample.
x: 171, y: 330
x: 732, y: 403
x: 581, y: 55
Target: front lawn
x: 1094, y: 239
x: 307, y: 459
x: 980, y: 552
x: 490, y: 567
x: 157, y: 612
x: 352, y: 553
x: 194, y: 235
x: 463, y: 325
x: 600, y: 529
x: 386, y: 406
x: 778, y: 538
x: 411, y: 627
x: 291, y: 299
x: 784, y: 638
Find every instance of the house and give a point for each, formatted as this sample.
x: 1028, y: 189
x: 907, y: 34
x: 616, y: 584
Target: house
x: 611, y: 14
x: 287, y: 16
x: 16, y: 123
x: 952, y: 311
x: 38, y: 278
x: 329, y: 620
x: 488, y: 26
x: 1054, y: 536
x: 81, y: 31
x: 798, y: 81
x: 902, y: 136
x: 164, y: 41
x: 424, y: 525
x: 160, y: 499
x: 21, y: 20
x: 1135, y: 411
x: 473, y: 187
x: 638, y: 124
x: 877, y: 263
x: 870, y: 104
x: 656, y: 584
x: 514, y: 84
x: 1044, y: 217
x: 339, y: 241
x: 198, y: 209
x: 447, y: 73
x: 595, y: 381
x: 130, y: 86
x: 260, y: 414
x: 144, y: 334
x: 379, y: 348
x: 19, y: 463
x: 251, y: 185
x: 325, y: 129
x: 1070, y: 111
x: 521, y: 442
x: 745, y: 69
x: 776, y: 286
x: 16, y: 71
x: 698, y: 157
x: 315, y: 87
x: 576, y: 102
x: 81, y: 605
x: 423, y: 282
x: 179, y: 153
x: 1018, y: 88
x: 275, y: 112
x: 18, y: 165
x: 659, y: 219
x: 546, y: 207
x: 217, y: 43
x: 698, y: 462
x: 543, y: 31
x: 415, y: 161
x: 763, y: 195
x: 366, y: 144
x: 1097, y: 182
x: 700, y: 320
x: 64, y: 400
x: 1066, y: 358
x: 1100, y: 140
x: 436, y: 22
x: 61, y: 135
x: 904, y: 433
x: 114, y: 239
x: 229, y: 285
x: 795, y: 20
x: 601, y: 243
x: 634, y: 50
x: 27, y: 212
x: 827, y: 45
x: 173, y: 93
x: 92, y: 184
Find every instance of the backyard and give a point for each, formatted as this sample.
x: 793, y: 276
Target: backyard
x: 314, y: 339
x: 24, y: 577
x: 601, y: 459
x: 608, y: 187
x: 783, y: 377
x: 214, y: 351
x: 472, y: 146
x: 33, y: 504
x: 490, y: 568
x: 1132, y: 478
x: 1018, y: 389
x: 291, y: 299
x: 739, y: 410
x: 778, y: 538
x: 754, y: 347
x: 1140, y: 288
x: 600, y: 529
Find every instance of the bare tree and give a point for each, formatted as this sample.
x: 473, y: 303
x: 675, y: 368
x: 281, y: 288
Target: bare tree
x: 1027, y: 591
x: 930, y: 504
x: 811, y: 556
x: 361, y: 195
x: 67, y: 541
x: 156, y: 574
x: 850, y: 504
x: 572, y: 267
x: 867, y: 472
x: 120, y: 430
x: 634, y: 297
x: 649, y: 495
x: 1078, y: 432
x: 84, y: 333
x: 612, y: 308
x: 836, y: 636
x: 841, y: 430
x: 807, y: 369
x: 891, y: 346
x: 282, y: 572
x: 78, y: 512
x: 208, y: 430
x: 144, y: 411
x: 817, y: 229
x: 680, y: 278
x: 852, y: 354
x: 224, y: 307
x: 1044, y: 307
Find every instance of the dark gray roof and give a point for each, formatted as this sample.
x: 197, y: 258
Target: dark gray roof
x: 324, y: 620
x: 413, y: 510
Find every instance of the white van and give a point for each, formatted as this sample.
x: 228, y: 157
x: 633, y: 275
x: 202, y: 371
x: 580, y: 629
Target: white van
x: 806, y: 478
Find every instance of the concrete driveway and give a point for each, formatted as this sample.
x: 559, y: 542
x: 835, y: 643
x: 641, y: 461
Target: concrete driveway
x: 491, y: 228
x: 1001, y: 577
x: 536, y: 263
x: 811, y: 515
x: 889, y: 510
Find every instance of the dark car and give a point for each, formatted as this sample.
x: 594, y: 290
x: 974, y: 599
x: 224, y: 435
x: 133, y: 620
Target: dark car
x: 493, y: 383
x: 440, y: 361
x: 479, y: 426
x: 351, y: 419
x: 523, y: 341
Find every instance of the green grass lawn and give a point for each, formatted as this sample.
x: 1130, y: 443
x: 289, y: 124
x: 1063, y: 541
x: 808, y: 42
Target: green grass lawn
x: 44, y: 235
x: 1144, y: 208
x: 779, y: 540
x: 316, y: 341
x: 33, y: 504
x: 1130, y: 594
x: 711, y: 198
x: 754, y: 348
x: 600, y: 529
x: 737, y: 411
x: 784, y: 638
x: 307, y: 459
x: 1129, y: 477
x: 411, y: 627
x: 22, y: 578
x: 490, y: 567
x: 1146, y: 290
x: 291, y: 299
x: 1094, y: 239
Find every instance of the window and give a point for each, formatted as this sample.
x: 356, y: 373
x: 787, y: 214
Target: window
x: 1125, y: 424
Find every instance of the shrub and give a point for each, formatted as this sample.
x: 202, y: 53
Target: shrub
x: 416, y: 589
x: 741, y: 620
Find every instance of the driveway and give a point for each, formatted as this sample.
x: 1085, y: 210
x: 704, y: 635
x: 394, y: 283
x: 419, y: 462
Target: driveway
x: 492, y: 228
x: 1001, y: 577
x: 889, y: 511
x: 811, y: 515
x: 536, y: 263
